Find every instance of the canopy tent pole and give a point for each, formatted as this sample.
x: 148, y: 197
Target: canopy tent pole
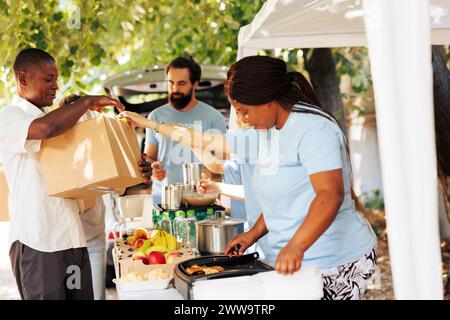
x: 398, y: 35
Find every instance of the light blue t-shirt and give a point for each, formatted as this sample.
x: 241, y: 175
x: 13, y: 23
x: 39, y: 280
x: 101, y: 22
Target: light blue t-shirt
x: 306, y: 144
x: 232, y: 175
x: 202, y: 117
x: 242, y: 174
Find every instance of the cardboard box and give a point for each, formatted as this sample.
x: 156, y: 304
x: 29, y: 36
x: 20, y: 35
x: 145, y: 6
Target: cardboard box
x: 86, y: 204
x: 4, y: 192
x: 92, y: 158
x: 124, y: 263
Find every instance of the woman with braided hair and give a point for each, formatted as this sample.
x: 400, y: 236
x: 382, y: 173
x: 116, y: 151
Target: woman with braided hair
x: 301, y: 176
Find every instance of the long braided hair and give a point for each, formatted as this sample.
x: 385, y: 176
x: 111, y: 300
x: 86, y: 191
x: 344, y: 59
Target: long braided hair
x: 257, y: 80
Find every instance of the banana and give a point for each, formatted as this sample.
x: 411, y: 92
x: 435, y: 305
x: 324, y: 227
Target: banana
x: 160, y: 239
x: 171, y: 241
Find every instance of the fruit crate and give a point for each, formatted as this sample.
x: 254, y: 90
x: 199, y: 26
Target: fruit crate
x: 124, y: 263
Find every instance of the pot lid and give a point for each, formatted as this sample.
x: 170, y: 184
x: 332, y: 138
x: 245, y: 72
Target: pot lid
x: 221, y: 222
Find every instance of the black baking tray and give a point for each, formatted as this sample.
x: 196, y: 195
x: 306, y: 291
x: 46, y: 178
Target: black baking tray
x: 244, y: 265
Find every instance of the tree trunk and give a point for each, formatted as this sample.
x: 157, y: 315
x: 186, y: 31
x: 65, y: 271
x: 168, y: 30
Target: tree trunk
x: 322, y: 72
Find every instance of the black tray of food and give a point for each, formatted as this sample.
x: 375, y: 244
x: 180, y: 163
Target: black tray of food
x: 215, y: 267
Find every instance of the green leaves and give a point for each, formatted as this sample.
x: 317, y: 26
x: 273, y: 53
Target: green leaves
x: 3, y: 6
x: 26, y: 11
x: 57, y: 16
x: 39, y: 36
x: 87, y: 37
x: 73, y: 49
x: 354, y: 63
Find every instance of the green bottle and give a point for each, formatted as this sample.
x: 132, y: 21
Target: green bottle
x: 209, y: 213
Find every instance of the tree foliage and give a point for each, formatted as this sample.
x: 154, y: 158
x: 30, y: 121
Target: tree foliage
x: 351, y: 63
x: 91, y: 39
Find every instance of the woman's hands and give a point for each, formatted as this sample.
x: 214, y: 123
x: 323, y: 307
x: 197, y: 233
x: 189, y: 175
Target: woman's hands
x: 135, y: 118
x: 158, y: 172
x: 207, y: 186
x: 240, y: 243
x: 289, y: 260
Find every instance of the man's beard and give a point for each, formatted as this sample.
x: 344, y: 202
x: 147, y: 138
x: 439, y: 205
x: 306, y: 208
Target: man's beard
x: 181, y: 101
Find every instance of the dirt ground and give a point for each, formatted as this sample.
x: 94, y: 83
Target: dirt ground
x: 384, y: 291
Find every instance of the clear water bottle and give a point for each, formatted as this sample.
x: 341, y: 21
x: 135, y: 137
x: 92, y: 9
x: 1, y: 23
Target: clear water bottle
x: 166, y: 222
x: 180, y: 226
x: 191, y: 230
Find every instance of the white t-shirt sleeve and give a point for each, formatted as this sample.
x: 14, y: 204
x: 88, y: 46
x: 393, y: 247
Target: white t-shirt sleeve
x: 320, y: 149
x: 14, y: 126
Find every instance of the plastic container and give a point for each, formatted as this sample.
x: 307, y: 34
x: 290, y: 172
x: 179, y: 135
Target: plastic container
x: 166, y: 294
x: 179, y: 226
x: 166, y: 222
x: 125, y: 286
x: 191, y: 229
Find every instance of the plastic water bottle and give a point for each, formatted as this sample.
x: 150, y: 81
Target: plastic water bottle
x: 180, y: 226
x: 191, y: 230
x: 166, y: 222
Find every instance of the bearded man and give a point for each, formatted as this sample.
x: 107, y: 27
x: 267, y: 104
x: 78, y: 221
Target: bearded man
x: 166, y: 157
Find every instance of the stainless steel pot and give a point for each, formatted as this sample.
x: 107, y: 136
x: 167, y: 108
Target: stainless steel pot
x: 171, y: 196
x: 214, y: 235
x: 165, y: 195
x: 192, y: 172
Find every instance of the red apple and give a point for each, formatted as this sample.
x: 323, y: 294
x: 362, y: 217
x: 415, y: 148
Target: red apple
x: 138, y: 243
x: 156, y: 257
x: 172, y: 255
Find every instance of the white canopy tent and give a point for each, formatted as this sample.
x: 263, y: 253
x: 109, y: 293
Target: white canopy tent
x: 399, y: 34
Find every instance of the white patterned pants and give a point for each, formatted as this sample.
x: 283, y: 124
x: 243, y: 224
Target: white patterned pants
x: 349, y: 281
